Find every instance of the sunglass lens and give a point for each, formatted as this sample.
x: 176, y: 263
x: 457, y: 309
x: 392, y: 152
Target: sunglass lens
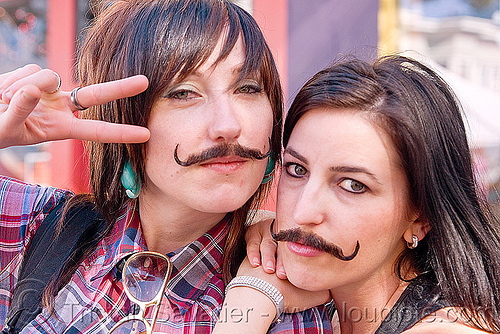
x: 144, y: 276
x: 131, y: 327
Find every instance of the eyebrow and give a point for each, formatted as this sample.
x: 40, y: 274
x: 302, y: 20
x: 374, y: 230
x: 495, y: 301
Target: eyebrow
x: 236, y: 71
x: 336, y: 169
x: 238, y: 68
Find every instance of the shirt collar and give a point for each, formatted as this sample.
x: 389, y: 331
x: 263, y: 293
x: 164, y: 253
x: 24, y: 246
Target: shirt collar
x: 194, y: 265
x: 125, y: 238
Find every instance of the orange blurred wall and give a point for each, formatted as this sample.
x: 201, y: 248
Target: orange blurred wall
x: 67, y: 167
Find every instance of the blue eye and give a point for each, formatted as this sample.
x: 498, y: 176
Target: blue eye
x: 353, y: 186
x: 295, y: 170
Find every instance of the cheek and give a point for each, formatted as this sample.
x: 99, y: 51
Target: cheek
x: 166, y: 133
x: 380, y: 238
x: 262, y: 120
x: 160, y: 163
x: 389, y: 220
x: 159, y: 149
x: 374, y: 229
x: 285, y: 202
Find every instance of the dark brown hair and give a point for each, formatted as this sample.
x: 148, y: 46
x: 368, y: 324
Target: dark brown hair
x: 164, y: 40
x: 423, y: 117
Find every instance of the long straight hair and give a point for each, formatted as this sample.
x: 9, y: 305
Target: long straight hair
x: 422, y: 116
x: 164, y: 40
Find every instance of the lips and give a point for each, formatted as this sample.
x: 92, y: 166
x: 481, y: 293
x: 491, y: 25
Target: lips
x: 303, y: 250
x: 225, y: 165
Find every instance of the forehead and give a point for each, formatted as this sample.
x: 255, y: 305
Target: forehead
x: 335, y: 136
x: 231, y: 64
x: 234, y: 60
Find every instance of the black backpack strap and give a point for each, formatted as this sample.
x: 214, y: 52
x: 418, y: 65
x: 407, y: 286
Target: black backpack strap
x: 46, y: 256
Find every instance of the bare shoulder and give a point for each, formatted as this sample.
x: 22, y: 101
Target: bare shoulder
x: 442, y: 328
x: 446, y: 320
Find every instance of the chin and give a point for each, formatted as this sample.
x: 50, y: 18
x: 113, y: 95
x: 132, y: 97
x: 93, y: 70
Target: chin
x: 219, y: 208
x: 316, y: 273
x: 309, y: 279
x: 228, y: 197
x: 308, y: 282
x: 222, y: 204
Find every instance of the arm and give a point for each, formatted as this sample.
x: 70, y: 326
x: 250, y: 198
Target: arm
x: 259, y: 310
x: 33, y: 110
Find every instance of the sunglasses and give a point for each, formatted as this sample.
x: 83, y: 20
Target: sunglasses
x: 144, y: 276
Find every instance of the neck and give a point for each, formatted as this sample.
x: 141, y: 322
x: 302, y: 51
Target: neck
x: 168, y: 226
x: 362, y: 309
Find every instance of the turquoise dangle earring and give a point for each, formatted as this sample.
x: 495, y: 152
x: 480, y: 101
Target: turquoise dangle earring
x: 268, y: 175
x: 130, y: 181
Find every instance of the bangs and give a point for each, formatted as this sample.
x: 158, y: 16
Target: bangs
x: 215, y: 21
x: 164, y: 40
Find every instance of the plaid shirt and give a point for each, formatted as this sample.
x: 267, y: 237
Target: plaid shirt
x: 94, y: 299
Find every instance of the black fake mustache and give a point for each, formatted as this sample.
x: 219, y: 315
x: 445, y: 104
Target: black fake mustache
x: 312, y: 240
x: 220, y: 151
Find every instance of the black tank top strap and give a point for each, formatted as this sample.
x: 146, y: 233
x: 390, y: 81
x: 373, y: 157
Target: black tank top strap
x: 420, y: 298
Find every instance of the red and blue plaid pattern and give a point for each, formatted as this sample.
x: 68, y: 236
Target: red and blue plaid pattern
x: 94, y: 300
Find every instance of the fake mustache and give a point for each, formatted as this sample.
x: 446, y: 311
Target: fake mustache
x: 221, y: 150
x: 312, y: 240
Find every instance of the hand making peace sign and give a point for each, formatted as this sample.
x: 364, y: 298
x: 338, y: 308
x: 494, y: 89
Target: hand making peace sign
x: 33, y: 109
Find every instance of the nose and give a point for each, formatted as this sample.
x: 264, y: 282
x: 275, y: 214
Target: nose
x: 310, y: 207
x: 225, y: 125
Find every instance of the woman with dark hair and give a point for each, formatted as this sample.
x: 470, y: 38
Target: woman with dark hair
x: 377, y: 204
x: 173, y: 208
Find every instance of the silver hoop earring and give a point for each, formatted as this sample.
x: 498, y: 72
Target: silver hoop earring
x: 414, y: 244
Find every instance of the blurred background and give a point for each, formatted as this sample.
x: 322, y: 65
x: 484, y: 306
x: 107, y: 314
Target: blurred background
x: 458, y: 38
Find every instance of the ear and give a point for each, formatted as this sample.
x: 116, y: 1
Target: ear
x: 419, y: 227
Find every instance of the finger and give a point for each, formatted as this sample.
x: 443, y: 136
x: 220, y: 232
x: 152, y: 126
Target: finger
x: 253, y: 239
x: 268, y: 247
x: 22, y: 104
x: 253, y: 253
x: 46, y: 80
x: 104, y: 132
x: 8, y: 79
x: 268, y: 254
x: 4, y: 76
x: 109, y: 91
x: 280, y: 268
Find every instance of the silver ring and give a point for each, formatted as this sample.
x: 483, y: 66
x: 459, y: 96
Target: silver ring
x: 74, y: 100
x: 59, y: 83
